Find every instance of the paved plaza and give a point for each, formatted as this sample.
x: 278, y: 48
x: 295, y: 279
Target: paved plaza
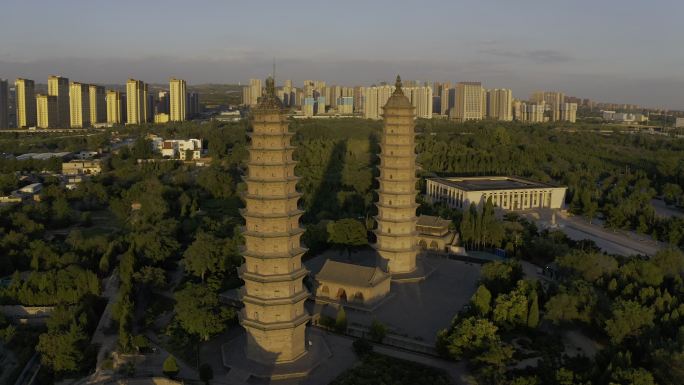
x: 419, y: 310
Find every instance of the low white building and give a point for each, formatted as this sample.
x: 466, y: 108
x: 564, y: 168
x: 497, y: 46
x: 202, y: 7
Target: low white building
x: 624, y: 117
x: 178, y: 148
x: 679, y: 123
x: 508, y: 193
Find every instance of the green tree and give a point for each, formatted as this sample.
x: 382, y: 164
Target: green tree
x: 589, y: 265
x: 501, y: 277
x: 341, y: 320
x: 170, y: 366
x: 468, y: 225
x: 628, y: 318
x: 377, y: 331
x: 152, y: 276
x: 199, y: 313
x: 533, y: 314
x: 472, y: 336
x: 347, y: 234
x: 511, y: 309
x: 62, y: 350
x: 482, y: 300
x: 207, y: 254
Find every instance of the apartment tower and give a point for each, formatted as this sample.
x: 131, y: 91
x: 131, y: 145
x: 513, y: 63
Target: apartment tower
x: 26, y: 103
x: 47, y: 108
x: 58, y: 86
x: 396, y: 230
x: 136, y: 102
x: 500, y: 104
x: 252, y: 93
x: 79, y: 103
x: 470, y: 100
x: 98, y: 104
x: 177, y: 100
x: 274, y: 315
x: 4, y: 104
x: 115, y: 107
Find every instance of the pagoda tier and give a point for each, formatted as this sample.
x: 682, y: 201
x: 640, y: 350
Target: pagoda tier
x: 396, y: 219
x: 274, y: 315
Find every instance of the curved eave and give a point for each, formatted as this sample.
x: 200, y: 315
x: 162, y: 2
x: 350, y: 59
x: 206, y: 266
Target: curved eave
x: 285, y: 234
x: 246, y: 322
x: 301, y: 296
x: 255, y: 277
x: 249, y: 214
x: 248, y: 179
x: 299, y: 251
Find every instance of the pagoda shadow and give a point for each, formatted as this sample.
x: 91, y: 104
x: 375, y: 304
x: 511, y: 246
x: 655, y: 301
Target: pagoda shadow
x: 324, y: 200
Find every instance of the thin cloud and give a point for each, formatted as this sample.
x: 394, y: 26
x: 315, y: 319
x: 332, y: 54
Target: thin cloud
x: 539, y: 56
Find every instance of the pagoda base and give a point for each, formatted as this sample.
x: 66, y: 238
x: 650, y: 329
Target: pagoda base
x: 243, y: 369
x: 422, y: 271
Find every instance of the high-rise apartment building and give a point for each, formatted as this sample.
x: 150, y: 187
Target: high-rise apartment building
x: 531, y: 112
x: 163, y: 105
x: 177, y: 100
x: 553, y: 101
x: 396, y: 229
x: 26, y: 103
x: 79, y: 105
x: 252, y: 92
x: 470, y: 100
x: 447, y: 98
x: 136, y: 102
x: 274, y: 315
x: 500, y: 104
x: 374, y: 98
x: 193, y: 105
x: 4, y: 104
x: 98, y: 104
x: 115, y: 107
x: 568, y: 112
x: 59, y: 86
x: 345, y: 105
x: 421, y: 99
x: 309, y: 106
x: 47, y: 111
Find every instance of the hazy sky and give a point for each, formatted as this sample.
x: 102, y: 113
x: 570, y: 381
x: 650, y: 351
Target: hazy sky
x: 628, y: 51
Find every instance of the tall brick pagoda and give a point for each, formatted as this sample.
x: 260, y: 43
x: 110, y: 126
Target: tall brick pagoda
x: 274, y: 316
x: 396, y: 219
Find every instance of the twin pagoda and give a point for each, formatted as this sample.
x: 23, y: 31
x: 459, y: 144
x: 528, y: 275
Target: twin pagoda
x: 274, y: 316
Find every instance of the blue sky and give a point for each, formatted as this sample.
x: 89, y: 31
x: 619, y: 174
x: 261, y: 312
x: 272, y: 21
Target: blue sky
x: 623, y: 51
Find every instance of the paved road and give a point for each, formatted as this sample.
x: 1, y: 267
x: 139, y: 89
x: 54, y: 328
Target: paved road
x: 618, y: 242
x: 107, y: 342
x: 665, y: 211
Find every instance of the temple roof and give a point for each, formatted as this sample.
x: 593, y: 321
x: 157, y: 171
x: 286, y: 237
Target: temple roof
x: 398, y: 99
x: 351, y: 274
x: 432, y: 221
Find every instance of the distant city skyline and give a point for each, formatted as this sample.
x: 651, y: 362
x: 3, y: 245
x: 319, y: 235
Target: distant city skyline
x: 622, y: 52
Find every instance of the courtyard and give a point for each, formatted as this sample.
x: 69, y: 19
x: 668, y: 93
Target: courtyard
x: 419, y: 310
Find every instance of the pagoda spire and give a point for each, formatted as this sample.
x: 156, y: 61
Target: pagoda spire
x: 397, y: 87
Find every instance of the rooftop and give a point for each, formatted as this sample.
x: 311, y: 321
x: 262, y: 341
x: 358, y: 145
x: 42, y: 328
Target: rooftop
x: 492, y: 183
x: 432, y: 221
x: 351, y: 274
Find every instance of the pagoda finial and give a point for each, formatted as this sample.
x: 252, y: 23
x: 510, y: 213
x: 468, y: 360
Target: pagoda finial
x: 270, y: 86
x: 397, y: 87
